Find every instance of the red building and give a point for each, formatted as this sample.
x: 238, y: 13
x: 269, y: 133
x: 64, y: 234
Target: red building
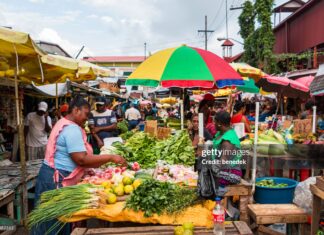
x: 303, y: 31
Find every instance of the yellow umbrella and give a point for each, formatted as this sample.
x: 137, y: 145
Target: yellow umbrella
x: 246, y: 70
x: 89, y: 68
x: 37, y: 66
x: 223, y: 92
x: 15, y: 49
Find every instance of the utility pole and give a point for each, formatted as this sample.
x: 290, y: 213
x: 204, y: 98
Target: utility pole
x: 144, y: 50
x: 226, y: 20
x: 205, y: 32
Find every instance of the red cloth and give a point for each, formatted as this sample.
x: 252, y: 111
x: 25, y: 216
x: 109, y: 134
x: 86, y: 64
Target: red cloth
x: 237, y: 118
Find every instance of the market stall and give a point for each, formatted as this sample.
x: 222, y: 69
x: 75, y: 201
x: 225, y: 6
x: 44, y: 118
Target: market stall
x: 22, y: 62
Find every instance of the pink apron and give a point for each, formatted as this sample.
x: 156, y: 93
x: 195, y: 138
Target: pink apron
x: 78, y: 172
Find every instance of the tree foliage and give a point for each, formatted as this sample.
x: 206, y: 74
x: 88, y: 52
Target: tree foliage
x: 258, y: 42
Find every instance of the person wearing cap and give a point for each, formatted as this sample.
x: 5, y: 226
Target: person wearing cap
x: 37, y: 127
x: 102, y: 123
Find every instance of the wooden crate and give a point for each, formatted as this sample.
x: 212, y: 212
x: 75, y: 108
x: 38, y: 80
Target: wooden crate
x: 276, y: 213
x: 232, y: 228
x: 151, y: 127
x: 318, y: 197
x: 244, y: 192
x: 163, y: 132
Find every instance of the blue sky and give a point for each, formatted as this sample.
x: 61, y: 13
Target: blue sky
x: 120, y: 27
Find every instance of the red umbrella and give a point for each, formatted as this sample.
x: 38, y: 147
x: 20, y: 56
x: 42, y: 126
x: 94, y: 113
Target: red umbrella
x: 273, y: 83
x: 304, y: 81
x: 284, y: 86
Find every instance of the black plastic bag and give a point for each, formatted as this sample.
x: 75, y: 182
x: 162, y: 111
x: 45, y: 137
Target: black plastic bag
x: 208, y: 185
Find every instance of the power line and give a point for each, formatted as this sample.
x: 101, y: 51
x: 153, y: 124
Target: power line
x: 215, y: 17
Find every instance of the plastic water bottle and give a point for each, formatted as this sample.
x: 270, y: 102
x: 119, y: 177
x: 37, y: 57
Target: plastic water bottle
x: 219, y: 218
x: 288, y: 137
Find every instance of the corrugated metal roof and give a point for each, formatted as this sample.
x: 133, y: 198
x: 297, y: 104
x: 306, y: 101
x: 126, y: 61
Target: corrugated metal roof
x: 115, y: 59
x: 317, y: 86
x: 289, y: 6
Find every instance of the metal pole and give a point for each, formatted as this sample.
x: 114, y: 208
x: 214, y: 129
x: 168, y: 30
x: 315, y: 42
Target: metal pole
x: 314, y: 120
x: 254, y: 162
x: 79, y: 52
x: 56, y: 97
x: 226, y: 21
x: 205, y: 32
x: 201, y: 125
x: 182, y: 114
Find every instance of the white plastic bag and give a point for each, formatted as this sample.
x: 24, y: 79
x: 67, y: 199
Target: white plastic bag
x: 303, y: 196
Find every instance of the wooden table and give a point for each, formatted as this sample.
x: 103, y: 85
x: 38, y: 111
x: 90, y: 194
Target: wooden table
x: 232, y: 228
x: 10, y: 179
x: 7, y: 199
x: 318, y: 196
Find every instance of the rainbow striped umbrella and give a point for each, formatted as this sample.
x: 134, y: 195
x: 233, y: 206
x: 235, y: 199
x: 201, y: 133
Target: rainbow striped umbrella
x: 185, y: 67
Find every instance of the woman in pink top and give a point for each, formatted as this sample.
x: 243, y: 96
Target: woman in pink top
x: 67, y: 155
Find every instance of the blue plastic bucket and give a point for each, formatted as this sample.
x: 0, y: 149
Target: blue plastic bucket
x: 265, y: 195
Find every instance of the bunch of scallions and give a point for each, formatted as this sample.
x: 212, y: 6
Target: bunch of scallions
x: 65, y: 201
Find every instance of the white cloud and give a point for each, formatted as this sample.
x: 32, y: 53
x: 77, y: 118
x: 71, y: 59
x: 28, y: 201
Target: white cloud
x: 120, y: 27
x: 93, y: 16
x: 70, y: 16
x: 107, y: 19
x: 50, y: 35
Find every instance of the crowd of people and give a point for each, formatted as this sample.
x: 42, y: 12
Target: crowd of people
x: 104, y: 117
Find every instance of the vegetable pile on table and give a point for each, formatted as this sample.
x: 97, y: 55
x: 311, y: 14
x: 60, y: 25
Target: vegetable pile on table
x: 122, y: 126
x: 178, y: 174
x: 153, y: 196
x: 269, y: 183
x: 115, y: 181
x: 177, y: 149
x: 146, y: 150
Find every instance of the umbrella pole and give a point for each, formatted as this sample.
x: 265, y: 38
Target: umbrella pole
x: 56, y: 97
x: 314, y: 120
x: 256, y: 127
x: 182, y: 110
x: 21, y: 141
x: 277, y: 110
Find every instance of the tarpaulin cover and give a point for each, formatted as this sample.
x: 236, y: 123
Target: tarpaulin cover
x: 199, y: 215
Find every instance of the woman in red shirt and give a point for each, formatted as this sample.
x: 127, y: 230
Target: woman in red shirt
x: 239, y: 116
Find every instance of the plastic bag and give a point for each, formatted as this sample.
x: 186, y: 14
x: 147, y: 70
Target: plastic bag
x: 303, y: 196
x: 208, y: 185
